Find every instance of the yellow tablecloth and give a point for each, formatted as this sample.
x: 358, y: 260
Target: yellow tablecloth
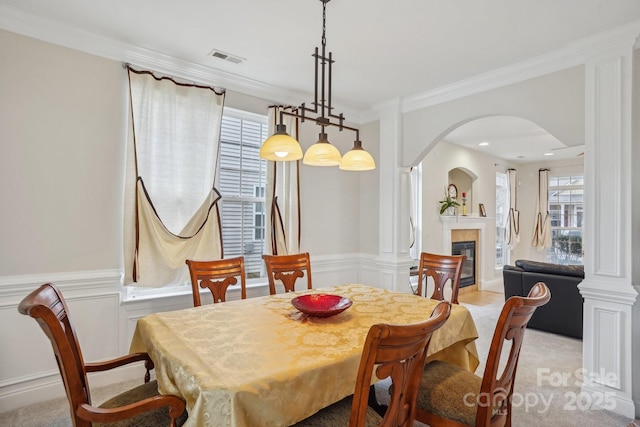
x: 260, y: 362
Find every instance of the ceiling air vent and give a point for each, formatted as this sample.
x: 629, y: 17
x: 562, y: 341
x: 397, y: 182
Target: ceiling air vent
x: 226, y: 56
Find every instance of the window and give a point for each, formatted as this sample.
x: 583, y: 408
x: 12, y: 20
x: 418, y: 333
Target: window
x: 241, y: 181
x: 416, y: 211
x: 502, y: 212
x: 566, y: 214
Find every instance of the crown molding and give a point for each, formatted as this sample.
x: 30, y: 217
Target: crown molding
x: 570, y: 56
x: 53, y: 32
x: 625, y: 37
x: 50, y: 31
x: 521, y: 71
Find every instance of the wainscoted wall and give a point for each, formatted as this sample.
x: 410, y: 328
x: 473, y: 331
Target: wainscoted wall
x: 28, y: 371
x: 105, y: 319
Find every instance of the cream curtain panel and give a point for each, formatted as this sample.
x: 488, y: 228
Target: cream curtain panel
x: 513, y: 226
x: 171, y: 210
x: 542, y: 225
x: 283, y: 195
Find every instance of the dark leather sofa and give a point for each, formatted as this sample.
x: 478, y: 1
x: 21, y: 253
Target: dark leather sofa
x: 563, y: 313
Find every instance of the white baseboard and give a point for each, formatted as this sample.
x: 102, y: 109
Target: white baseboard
x: 494, y: 285
x: 618, y: 403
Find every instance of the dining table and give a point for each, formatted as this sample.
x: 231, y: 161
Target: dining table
x: 261, y: 362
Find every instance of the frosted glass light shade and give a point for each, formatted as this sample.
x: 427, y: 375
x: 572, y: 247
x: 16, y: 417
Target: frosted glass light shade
x: 357, y: 160
x: 322, y: 153
x: 280, y: 147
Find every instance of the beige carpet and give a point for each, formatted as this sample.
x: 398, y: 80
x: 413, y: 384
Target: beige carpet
x: 55, y: 412
x: 540, y: 401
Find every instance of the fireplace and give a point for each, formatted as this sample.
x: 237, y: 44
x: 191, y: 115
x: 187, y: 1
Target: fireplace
x: 468, y: 248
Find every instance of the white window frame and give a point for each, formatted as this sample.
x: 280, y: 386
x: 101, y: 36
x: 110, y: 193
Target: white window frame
x: 253, y: 199
x: 416, y: 190
x: 502, y: 217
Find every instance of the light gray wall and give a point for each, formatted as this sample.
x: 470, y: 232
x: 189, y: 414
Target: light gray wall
x: 62, y: 130
x: 369, y: 216
x: 555, y: 102
x: 330, y: 199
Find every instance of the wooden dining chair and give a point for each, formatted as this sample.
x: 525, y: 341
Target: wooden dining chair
x: 441, y: 268
x: 287, y: 269
x: 217, y: 276
x: 397, y: 352
x: 452, y: 396
x: 141, y: 406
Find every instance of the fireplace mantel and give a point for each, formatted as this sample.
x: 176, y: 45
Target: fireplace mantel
x: 459, y: 222
x: 466, y: 223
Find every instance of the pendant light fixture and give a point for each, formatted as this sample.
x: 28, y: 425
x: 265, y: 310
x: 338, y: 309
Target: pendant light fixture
x: 282, y: 147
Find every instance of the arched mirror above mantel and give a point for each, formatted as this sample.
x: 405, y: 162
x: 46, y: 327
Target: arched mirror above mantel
x: 463, y: 180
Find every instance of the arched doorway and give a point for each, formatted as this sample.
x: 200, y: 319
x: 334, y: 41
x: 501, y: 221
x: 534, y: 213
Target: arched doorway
x: 471, y: 156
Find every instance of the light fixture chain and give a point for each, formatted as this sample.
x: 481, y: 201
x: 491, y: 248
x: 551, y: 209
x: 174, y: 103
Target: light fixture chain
x: 282, y: 147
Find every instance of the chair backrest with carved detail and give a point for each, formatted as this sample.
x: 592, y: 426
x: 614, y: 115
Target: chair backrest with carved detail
x: 47, y: 305
x: 287, y: 269
x: 442, y: 269
x: 140, y: 406
x: 397, y: 352
x: 497, y: 386
x: 217, y: 276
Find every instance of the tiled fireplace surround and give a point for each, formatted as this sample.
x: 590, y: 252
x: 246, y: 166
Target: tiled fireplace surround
x: 466, y: 228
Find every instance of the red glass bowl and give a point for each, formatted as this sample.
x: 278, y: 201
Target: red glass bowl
x: 321, y: 305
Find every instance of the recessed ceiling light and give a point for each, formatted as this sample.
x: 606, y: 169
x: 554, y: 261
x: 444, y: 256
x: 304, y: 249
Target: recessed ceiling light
x: 483, y: 144
x: 548, y: 154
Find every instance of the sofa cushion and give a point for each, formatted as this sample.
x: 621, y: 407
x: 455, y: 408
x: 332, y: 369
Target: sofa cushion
x: 549, y: 268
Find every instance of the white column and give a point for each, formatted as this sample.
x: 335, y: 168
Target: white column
x: 395, y: 185
x: 607, y: 289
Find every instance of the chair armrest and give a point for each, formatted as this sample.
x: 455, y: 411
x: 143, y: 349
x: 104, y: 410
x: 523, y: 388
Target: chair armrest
x: 124, y: 360
x: 114, y: 363
x: 110, y: 415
